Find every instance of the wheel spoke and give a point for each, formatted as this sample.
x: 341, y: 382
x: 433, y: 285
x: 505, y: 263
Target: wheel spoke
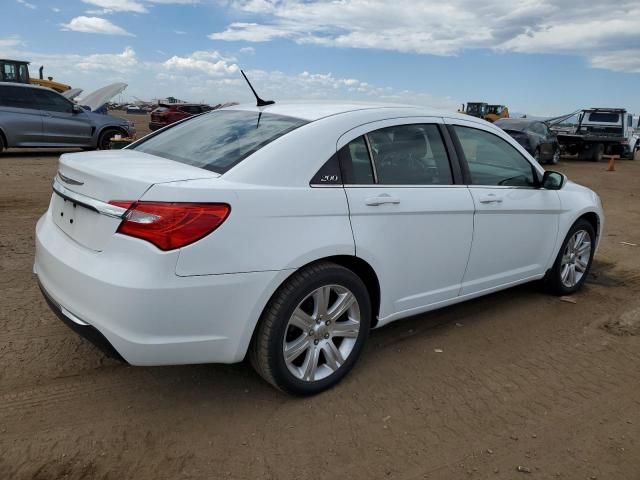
x: 581, y: 265
x: 578, y: 239
x: 572, y: 275
x: 332, y: 355
x: 321, y: 301
x: 565, y: 273
x: 341, y: 305
x: 294, y: 349
x: 310, y: 365
x: 584, y: 248
x: 302, y: 320
x: 348, y: 329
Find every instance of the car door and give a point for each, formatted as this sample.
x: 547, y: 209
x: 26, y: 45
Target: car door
x: 516, y: 222
x: 62, y: 125
x: 19, y: 119
x: 410, y: 219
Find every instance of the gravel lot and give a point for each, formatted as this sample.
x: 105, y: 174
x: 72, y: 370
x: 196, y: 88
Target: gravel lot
x: 525, y: 382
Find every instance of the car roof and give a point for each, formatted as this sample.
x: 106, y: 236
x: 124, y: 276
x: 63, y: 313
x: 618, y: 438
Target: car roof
x: 312, y: 111
x: 25, y: 85
x: 516, y: 122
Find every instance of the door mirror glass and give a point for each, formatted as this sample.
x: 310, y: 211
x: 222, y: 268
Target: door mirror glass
x: 77, y: 109
x: 553, y: 180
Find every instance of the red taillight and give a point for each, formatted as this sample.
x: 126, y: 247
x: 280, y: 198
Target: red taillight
x: 171, y: 225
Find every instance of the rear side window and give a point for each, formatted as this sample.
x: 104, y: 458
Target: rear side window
x: 410, y: 155
x: 219, y: 140
x: 192, y: 109
x: 354, y: 158
x: 52, y: 102
x: 16, y: 97
x: 493, y: 161
x: 9, y: 73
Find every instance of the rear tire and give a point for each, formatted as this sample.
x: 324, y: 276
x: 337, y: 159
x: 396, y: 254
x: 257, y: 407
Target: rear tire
x: 304, y: 344
x: 598, y: 152
x: 104, y: 141
x: 536, y: 155
x: 556, y: 156
x: 573, y: 263
x: 2, y: 145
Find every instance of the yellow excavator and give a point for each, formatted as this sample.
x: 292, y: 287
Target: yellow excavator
x: 487, y: 112
x: 17, y: 71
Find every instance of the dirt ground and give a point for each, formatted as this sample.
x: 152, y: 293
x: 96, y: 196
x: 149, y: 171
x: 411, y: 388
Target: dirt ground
x: 526, y: 385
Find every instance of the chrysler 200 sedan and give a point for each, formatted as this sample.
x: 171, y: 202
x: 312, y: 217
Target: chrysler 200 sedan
x: 285, y: 233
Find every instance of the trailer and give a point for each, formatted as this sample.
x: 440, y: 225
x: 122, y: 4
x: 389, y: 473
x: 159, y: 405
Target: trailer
x: 601, y: 131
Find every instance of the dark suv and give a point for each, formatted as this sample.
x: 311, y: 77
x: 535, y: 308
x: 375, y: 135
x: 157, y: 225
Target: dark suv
x: 170, y: 113
x: 33, y: 116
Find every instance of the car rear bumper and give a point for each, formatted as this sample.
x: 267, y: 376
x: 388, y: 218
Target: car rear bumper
x: 130, y: 301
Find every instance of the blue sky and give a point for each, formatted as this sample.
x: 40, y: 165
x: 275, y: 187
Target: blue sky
x: 542, y: 57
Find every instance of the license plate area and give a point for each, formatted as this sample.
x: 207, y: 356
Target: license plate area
x: 85, y: 226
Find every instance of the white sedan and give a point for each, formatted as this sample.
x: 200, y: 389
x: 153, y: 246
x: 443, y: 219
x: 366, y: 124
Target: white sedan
x: 285, y: 233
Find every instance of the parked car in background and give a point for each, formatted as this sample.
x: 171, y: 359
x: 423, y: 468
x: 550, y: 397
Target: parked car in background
x: 535, y: 136
x: 32, y: 116
x: 166, y: 114
x: 285, y: 233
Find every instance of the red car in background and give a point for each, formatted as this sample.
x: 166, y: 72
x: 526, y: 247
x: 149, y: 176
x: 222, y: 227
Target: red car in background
x: 170, y: 113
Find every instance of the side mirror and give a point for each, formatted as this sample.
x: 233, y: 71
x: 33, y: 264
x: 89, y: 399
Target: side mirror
x: 553, y: 180
x: 77, y: 109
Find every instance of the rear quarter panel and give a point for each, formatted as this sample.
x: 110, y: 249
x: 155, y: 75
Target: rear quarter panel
x: 269, y: 228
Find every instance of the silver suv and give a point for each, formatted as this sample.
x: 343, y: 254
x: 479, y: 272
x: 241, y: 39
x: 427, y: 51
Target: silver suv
x: 32, y: 116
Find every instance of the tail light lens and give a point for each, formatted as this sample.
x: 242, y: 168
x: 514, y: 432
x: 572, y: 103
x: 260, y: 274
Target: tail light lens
x: 171, y: 225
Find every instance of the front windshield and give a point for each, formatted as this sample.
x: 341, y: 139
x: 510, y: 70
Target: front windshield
x: 218, y: 140
x: 475, y: 108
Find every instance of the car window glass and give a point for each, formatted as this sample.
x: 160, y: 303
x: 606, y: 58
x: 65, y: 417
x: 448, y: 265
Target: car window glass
x: 219, y: 140
x: 356, y: 163
x: 493, y: 161
x: 410, y: 155
x: 22, y: 74
x: 16, y: 97
x: 52, y: 102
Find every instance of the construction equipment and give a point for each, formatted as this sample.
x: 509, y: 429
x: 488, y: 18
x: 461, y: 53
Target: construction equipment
x: 17, y: 71
x: 483, y: 110
x: 496, y: 112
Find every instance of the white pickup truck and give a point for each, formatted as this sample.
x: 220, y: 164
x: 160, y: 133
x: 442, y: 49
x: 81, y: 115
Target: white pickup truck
x: 601, y: 131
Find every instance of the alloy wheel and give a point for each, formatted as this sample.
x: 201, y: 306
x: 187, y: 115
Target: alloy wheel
x: 575, y: 258
x: 321, y: 333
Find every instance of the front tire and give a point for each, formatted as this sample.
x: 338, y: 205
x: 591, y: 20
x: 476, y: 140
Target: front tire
x: 573, y: 262
x: 598, y: 152
x: 556, y: 156
x: 312, y: 330
x: 104, y: 141
x: 2, y: 145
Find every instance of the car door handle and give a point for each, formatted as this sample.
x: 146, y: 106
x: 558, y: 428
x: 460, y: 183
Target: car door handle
x: 381, y: 200
x: 490, y: 198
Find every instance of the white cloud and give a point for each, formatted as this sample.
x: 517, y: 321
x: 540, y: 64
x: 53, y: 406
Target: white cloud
x: 27, y: 4
x: 8, y: 44
x: 55, y: 9
x: 94, y: 25
x: 589, y: 29
x: 247, y: 50
x: 108, y: 6
x: 210, y: 63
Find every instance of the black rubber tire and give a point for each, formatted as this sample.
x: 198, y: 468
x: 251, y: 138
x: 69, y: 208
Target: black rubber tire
x: 265, y: 351
x: 598, y: 152
x: 104, y: 141
x: 2, y: 145
x: 553, y: 279
x: 556, y: 157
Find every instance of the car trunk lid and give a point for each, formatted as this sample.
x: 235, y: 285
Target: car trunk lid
x: 87, y: 182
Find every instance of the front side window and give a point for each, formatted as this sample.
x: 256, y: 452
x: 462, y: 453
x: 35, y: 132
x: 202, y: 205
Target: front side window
x: 493, y: 161
x: 52, y: 102
x: 410, y: 155
x: 219, y: 140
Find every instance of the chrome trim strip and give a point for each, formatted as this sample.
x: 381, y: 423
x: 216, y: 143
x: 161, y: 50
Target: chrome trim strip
x: 97, y: 206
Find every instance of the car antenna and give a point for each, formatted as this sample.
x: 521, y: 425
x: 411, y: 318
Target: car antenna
x: 259, y: 102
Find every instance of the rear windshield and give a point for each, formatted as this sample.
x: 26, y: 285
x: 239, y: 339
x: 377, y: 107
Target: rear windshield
x: 604, y: 117
x: 219, y: 140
